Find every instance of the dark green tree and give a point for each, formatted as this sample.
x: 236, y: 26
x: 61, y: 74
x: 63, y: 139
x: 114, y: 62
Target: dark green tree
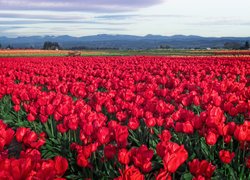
x: 232, y: 45
x: 164, y: 46
x: 246, y: 45
x: 9, y: 47
x: 51, y: 45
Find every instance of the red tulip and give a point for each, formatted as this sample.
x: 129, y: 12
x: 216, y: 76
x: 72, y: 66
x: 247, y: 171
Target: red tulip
x: 31, y: 117
x: 110, y: 151
x: 131, y: 173
x: 20, y: 132
x: 163, y: 174
x: 124, y: 156
x: 121, y: 135
x: 142, y: 158
x: 225, y: 156
x: 150, y: 122
x: 17, y: 108
x: 165, y: 136
x: 50, y: 109
x: 82, y: 161
x: 61, y: 165
x: 30, y: 137
x: 133, y: 123
x: 174, y: 160
x: 103, y: 135
x: 211, y: 138
x: 201, y: 168
x: 242, y: 132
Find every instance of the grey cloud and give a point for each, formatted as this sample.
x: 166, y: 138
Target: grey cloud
x: 44, y: 15
x: 29, y: 22
x: 117, y: 17
x: 222, y: 22
x: 4, y: 28
x: 106, y: 29
x: 77, y: 5
x: 128, y: 16
x: 69, y: 16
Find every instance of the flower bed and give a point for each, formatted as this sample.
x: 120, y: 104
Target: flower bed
x: 121, y: 118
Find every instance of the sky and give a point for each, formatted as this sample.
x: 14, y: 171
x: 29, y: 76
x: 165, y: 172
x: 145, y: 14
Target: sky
x: 217, y: 18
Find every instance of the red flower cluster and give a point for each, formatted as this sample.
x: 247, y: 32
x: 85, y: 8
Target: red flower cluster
x: 136, y: 113
x: 131, y: 173
x: 30, y: 164
x: 6, y: 135
x: 173, y: 155
x: 30, y: 138
x: 142, y: 158
x: 225, y: 156
x: 242, y: 132
x: 201, y: 169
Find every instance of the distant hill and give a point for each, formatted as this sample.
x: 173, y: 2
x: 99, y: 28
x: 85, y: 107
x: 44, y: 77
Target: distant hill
x: 103, y: 41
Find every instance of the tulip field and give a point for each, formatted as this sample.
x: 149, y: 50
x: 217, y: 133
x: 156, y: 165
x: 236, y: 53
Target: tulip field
x: 125, y: 118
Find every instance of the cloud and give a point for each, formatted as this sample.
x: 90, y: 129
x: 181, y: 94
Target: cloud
x: 4, y: 28
x: 30, y: 22
x: 35, y: 30
x: 107, y: 29
x: 78, y: 5
x: 40, y: 15
x: 222, y: 22
x: 80, y: 16
x: 117, y: 16
x: 138, y: 16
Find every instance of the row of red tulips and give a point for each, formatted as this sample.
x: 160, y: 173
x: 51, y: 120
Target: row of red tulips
x: 125, y: 118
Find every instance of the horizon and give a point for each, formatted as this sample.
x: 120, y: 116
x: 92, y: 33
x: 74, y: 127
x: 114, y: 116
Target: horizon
x: 224, y: 18
x: 191, y: 35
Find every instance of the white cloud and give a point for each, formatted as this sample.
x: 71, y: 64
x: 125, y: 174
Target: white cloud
x: 169, y: 17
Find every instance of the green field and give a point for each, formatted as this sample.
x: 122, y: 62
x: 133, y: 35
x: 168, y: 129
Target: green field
x: 151, y: 52
x: 155, y: 52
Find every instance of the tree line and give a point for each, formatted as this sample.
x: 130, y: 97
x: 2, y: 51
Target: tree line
x: 51, y: 46
x: 48, y: 45
x: 236, y: 46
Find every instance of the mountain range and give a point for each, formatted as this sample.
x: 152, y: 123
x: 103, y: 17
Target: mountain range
x: 105, y: 41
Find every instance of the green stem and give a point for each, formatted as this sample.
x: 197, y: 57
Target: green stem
x: 74, y: 136
x: 243, y: 165
x: 52, y: 128
x: 18, y: 119
x: 230, y: 171
x: 174, y: 176
x: 69, y: 136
